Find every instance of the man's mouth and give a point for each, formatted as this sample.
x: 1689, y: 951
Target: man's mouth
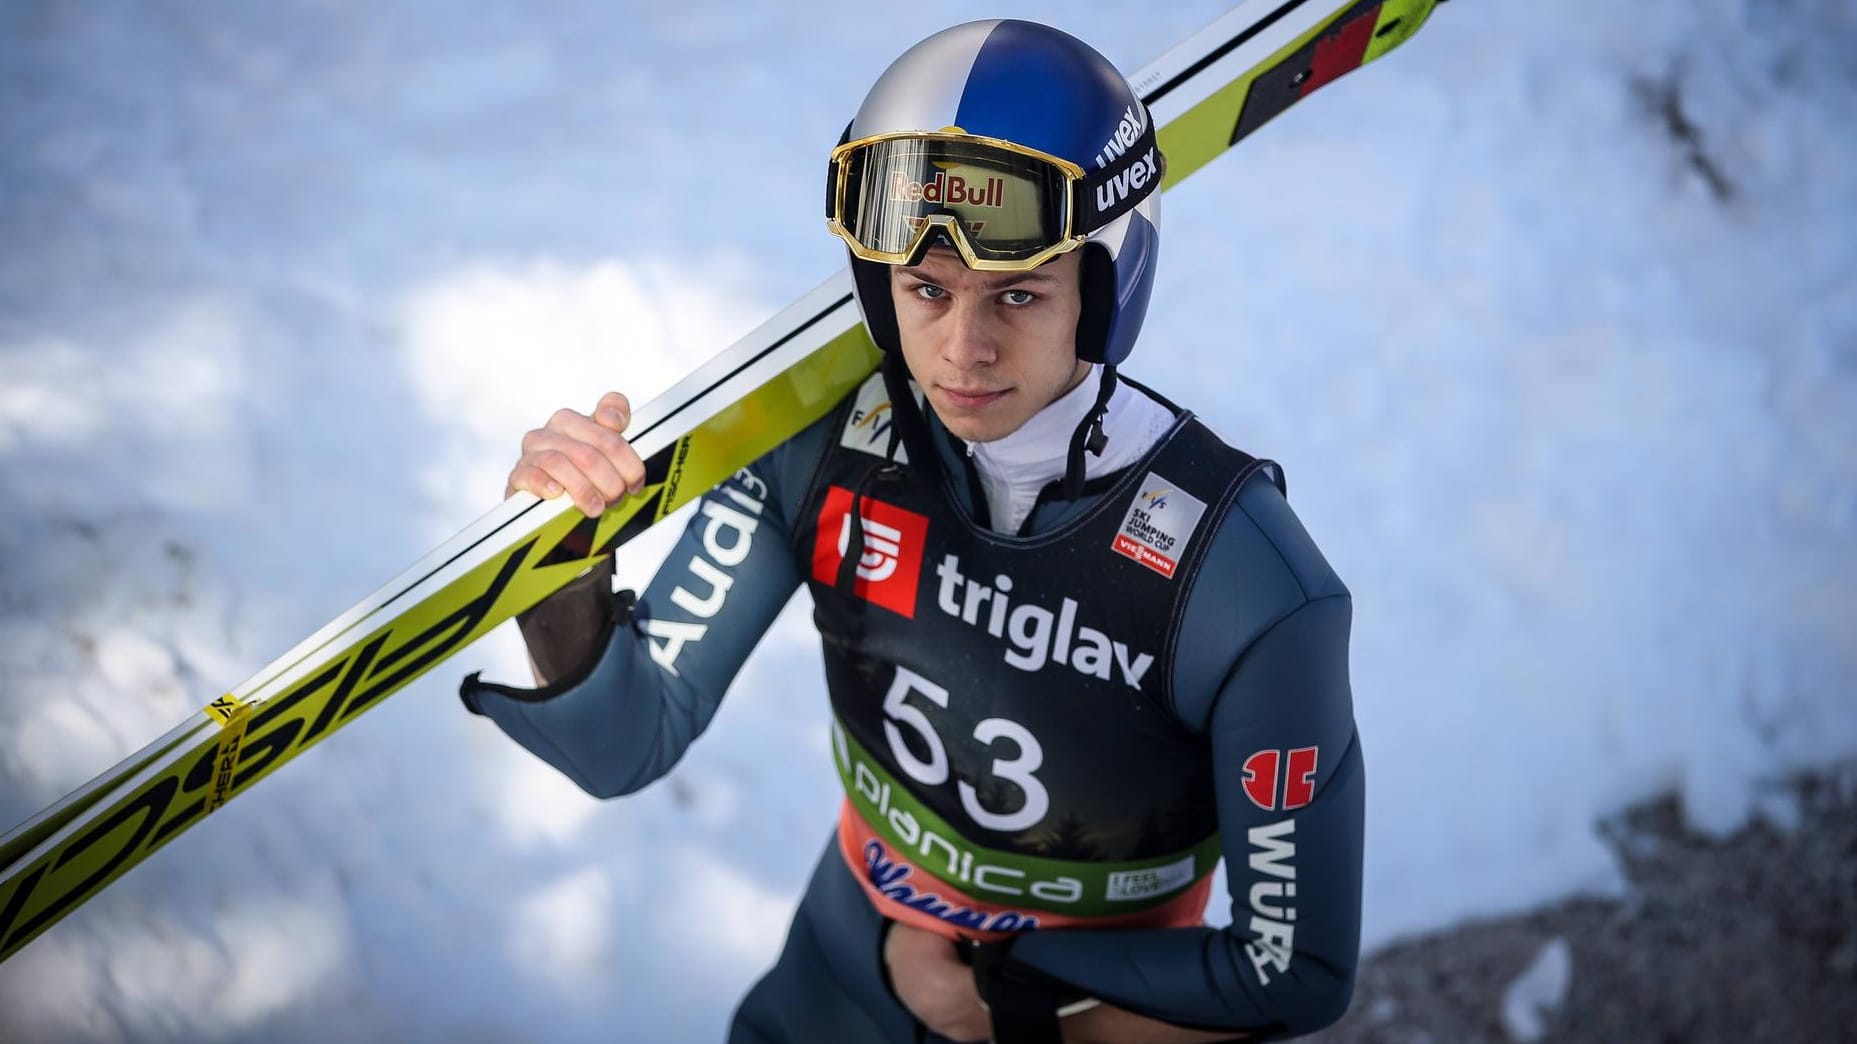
x: 971, y: 398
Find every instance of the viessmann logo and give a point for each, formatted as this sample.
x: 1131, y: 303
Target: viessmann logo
x: 890, y: 565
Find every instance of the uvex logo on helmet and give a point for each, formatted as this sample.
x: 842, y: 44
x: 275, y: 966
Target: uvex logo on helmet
x: 1144, y: 169
x: 1141, y: 168
x: 950, y: 190
x: 1127, y: 132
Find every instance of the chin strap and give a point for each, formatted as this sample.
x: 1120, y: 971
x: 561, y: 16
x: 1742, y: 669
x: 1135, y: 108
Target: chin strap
x: 1022, y: 1001
x: 1089, y: 435
x: 907, y: 424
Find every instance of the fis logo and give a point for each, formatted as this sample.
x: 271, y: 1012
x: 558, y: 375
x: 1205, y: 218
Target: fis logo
x: 1296, y: 786
x: 1158, y: 525
x: 889, y: 567
x: 875, y: 424
x: 871, y: 422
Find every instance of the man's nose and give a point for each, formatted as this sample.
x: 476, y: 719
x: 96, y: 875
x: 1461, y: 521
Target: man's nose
x: 973, y: 336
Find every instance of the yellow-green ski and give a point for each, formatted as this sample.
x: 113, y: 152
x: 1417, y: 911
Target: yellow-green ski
x: 1206, y: 94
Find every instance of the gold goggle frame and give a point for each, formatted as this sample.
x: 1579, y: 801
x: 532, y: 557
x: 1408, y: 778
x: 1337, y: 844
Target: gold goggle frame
x: 948, y: 223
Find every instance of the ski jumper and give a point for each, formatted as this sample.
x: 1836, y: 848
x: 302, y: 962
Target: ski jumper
x: 1049, y: 732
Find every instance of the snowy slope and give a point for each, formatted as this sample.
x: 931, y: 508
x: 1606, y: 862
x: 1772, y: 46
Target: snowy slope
x: 1551, y: 317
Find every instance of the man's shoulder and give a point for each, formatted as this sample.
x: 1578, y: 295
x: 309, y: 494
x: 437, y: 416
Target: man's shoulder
x: 1266, y: 528
x: 1260, y: 535
x: 1260, y: 567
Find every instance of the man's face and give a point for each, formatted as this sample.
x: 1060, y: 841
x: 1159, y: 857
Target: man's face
x: 989, y: 348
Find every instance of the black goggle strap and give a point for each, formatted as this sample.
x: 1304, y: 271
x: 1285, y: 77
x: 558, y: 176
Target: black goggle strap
x: 831, y: 180
x: 907, y: 425
x: 1107, y: 193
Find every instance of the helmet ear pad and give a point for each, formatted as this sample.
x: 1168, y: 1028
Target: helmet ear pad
x: 1098, y: 288
x: 870, y: 285
x: 1116, y: 286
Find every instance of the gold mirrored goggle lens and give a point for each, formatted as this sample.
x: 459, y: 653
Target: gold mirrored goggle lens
x: 997, y: 206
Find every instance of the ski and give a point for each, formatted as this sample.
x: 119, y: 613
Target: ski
x: 1206, y: 94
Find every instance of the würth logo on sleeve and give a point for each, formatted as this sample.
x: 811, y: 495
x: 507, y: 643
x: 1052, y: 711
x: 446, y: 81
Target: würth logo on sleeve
x: 1269, y: 775
x: 890, y: 564
x: 1158, y: 525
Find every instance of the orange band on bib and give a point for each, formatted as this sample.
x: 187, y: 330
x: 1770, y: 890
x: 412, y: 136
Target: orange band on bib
x: 903, y: 891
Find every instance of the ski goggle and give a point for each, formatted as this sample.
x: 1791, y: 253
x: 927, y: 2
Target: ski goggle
x: 1004, y: 207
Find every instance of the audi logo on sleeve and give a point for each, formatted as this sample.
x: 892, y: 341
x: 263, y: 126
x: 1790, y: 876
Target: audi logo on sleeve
x: 890, y: 566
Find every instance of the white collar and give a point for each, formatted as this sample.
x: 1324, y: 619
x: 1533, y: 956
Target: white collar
x: 1013, y: 469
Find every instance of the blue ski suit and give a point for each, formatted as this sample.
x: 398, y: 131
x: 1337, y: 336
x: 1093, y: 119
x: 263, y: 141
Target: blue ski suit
x: 1050, y: 737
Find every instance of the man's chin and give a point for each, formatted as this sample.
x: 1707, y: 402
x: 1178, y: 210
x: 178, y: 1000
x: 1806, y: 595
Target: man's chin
x: 976, y: 429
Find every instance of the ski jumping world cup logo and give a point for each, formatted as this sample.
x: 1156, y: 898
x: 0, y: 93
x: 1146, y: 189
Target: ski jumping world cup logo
x: 1159, y: 523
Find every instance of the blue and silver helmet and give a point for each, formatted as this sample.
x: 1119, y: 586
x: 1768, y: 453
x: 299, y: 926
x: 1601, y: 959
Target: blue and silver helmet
x: 1013, y: 142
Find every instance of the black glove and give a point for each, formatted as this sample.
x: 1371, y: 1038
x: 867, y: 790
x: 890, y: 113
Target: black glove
x: 566, y: 633
x: 1024, y: 1002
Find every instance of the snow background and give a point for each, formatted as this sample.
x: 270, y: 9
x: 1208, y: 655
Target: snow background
x: 1551, y: 317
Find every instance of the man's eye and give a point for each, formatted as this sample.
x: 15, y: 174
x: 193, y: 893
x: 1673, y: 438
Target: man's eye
x: 930, y: 292
x: 1018, y: 297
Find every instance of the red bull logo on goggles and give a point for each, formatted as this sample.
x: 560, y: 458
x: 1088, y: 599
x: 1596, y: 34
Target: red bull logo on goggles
x: 952, y: 190
x: 1001, y: 205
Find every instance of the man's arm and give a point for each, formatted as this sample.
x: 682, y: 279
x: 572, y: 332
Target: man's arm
x: 938, y: 987
x: 1290, y: 792
x: 625, y: 689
